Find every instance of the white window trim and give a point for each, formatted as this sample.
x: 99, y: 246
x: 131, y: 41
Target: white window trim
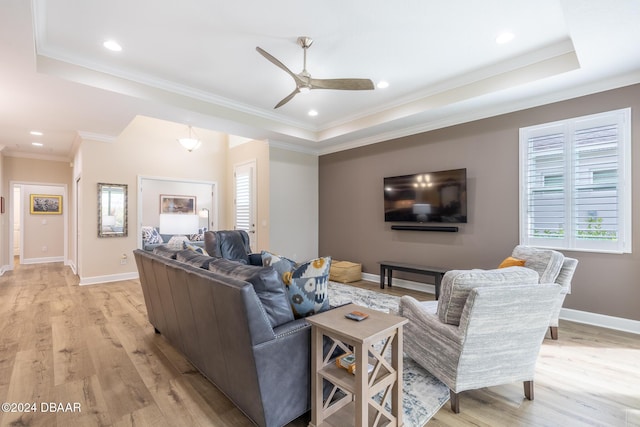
x: 625, y: 193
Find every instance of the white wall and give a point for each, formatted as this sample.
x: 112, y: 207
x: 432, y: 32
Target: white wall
x: 293, y: 183
x: 149, y: 148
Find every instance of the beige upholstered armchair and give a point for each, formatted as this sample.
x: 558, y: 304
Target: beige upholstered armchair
x: 553, y: 267
x: 486, y: 329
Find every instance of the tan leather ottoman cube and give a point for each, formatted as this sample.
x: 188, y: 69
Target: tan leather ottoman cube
x: 345, y: 272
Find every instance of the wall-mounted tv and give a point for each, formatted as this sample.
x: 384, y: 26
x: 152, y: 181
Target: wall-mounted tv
x: 427, y: 197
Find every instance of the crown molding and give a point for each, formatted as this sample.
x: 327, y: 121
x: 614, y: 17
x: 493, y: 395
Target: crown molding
x: 97, y: 137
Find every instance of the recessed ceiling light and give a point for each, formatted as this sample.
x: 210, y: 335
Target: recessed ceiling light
x: 36, y: 133
x: 312, y: 113
x: 505, y: 37
x: 112, y: 45
x: 37, y: 144
x: 382, y: 84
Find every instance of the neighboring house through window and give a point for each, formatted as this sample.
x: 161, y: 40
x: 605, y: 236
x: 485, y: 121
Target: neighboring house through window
x: 575, y: 183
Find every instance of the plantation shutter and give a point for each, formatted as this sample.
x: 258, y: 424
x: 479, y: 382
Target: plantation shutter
x: 243, y: 199
x: 575, y: 177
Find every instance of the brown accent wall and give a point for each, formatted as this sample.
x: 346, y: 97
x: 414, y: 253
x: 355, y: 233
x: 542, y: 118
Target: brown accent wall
x: 352, y: 223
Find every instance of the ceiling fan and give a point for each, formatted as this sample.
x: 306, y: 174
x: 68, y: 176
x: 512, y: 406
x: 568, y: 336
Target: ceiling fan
x: 304, y: 81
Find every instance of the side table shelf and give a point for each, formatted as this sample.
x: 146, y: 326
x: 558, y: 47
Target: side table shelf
x: 361, y: 396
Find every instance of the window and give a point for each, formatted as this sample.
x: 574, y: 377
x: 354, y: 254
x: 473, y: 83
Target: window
x: 575, y: 183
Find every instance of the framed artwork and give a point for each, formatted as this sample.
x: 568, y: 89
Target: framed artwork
x: 1, y: 204
x: 177, y: 204
x: 45, y: 204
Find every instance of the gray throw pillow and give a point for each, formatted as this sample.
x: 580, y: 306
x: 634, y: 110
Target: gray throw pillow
x: 266, y: 284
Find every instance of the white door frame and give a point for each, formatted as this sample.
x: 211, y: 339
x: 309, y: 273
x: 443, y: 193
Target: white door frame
x: 65, y: 217
x: 213, y: 219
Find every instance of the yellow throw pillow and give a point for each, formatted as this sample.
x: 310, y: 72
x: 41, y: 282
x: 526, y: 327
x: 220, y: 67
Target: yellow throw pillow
x: 511, y: 262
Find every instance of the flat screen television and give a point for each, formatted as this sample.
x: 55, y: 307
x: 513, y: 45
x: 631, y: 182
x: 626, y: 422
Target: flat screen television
x: 427, y: 197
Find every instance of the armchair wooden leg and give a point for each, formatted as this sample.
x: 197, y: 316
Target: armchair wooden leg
x: 455, y: 401
x: 528, y: 390
x: 554, y: 332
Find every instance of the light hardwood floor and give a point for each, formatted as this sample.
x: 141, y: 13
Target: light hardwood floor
x: 92, y: 346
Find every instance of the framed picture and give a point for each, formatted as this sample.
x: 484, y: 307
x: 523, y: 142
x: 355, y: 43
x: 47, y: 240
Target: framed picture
x: 1, y: 204
x: 45, y: 204
x: 177, y: 204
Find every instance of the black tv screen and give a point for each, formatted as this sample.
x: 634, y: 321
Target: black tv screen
x: 427, y: 197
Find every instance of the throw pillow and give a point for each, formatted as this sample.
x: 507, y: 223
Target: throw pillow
x: 266, y: 284
x: 151, y: 236
x: 192, y: 247
x: 177, y: 242
x: 284, y: 266
x: 308, y: 287
x: 511, y: 262
x: 196, y: 237
x: 457, y: 284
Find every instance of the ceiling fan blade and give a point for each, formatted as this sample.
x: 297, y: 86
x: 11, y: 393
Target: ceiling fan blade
x: 342, y: 84
x: 287, y: 98
x: 279, y: 64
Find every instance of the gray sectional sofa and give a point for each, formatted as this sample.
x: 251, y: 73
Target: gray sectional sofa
x: 228, y: 319
x: 222, y: 326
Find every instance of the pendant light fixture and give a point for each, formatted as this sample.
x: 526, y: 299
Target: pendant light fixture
x: 191, y: 143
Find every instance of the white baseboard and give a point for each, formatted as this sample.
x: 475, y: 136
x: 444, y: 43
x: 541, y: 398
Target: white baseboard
x: 585, y: 317
x: 72, y: 265
x: 5, y: 268
x: 42, y: 260
x: 109, y: 278
x: 401, y: 283
x: 602, y: 320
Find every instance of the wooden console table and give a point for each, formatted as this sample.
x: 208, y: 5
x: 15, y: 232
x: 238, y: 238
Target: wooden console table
x: 386, y: 267
x: 358, y: 390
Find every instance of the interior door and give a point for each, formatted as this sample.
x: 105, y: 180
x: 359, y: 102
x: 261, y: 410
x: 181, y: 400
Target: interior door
x: 244, y: 196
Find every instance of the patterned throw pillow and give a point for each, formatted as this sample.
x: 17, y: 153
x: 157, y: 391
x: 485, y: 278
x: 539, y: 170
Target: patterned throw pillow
x: 308, y: 287
x: 177, y: 242
x: 192, y: 247
x: 151, y: 236
x: 196, y: 237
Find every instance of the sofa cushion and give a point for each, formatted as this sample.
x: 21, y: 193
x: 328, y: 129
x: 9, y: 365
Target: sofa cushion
x: 308, y: 287
x: 457, y: 284
x: 546, y: 262
x: 151, y: 236
x: 266, y: 284
x: 165, y: 251
x: 193, y: 258
x: 284, y: 266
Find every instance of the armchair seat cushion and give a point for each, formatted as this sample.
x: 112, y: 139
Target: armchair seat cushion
x: 457, y: 284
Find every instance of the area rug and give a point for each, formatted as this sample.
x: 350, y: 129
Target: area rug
x: 423, y: 395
